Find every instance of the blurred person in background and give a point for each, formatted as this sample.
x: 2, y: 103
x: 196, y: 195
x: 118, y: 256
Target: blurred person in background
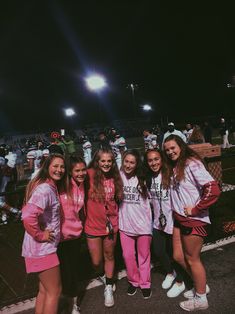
x: 207, y: 132
x: 150, y: 140
x: 8, y: 173
x: 118, y: 145
x: 87, y: 148
x: 196, y: 136
x: 188, y: 131
x: 223, y: 130
x: 172, y: 131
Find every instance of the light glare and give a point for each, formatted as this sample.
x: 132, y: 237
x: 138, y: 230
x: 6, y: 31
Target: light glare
x: 147, y: 107
x: 95, y: 82
x: 69, y: 112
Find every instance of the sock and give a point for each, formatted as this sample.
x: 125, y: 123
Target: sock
x: 109, y: 281
x: 201, y: 296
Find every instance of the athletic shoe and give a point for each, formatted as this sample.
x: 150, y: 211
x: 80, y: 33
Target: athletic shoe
x: 176, y: 290
x: 102, y: 279
x: 191, y: 293
x: 194, y: 304
x: 131, y: 290
x: 76, y: 309
x: 166, y: 284
x: 147, y: 293
x: 108, y: 296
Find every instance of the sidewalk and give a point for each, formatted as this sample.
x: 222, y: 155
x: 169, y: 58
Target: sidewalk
x: 220, y: 266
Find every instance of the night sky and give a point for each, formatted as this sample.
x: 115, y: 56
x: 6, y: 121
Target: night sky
x: 181, y: 59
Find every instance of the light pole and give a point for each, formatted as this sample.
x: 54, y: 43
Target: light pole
x: 133, y: 87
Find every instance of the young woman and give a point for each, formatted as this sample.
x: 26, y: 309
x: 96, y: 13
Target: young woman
x: 158, y: 185
x: 41, y: 218
x: 72, y: 212
x: 101, y: 226
x: 135, y: 225
x: 193, y: 190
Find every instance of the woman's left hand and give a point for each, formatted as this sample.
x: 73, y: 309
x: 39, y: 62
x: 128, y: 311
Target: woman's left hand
x: 188, y: 211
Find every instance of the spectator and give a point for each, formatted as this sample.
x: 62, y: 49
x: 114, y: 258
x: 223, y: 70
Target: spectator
x: 223, y: 130
x: 150, y: 140
x: 118, y: 145
x: 188, y: 131
x: 196, y: 136
x: 87, y: 148
x: 103, y: 141
x: 207, y: 132
x: 173, y: 131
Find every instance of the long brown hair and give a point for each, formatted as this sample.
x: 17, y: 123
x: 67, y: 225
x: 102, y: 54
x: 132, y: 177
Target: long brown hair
x: 98, y: 192
x: 165, y: 169
x: 138, y: 172
x: 186, y: 153
x: 42, y: 176
x: 70, y: 164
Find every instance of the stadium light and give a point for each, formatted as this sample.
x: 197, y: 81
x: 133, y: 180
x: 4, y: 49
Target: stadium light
x: 69, y: 112
x: 95, y: 82
x: 147, y: 107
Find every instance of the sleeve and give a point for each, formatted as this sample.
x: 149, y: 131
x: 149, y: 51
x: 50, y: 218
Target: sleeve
x: 210, y: 194
x: 41, y: 196
x: 198, y: 173
x: 209, y: 188
x: 154, y: 141
x: 122, y: 142
x: 31, y: 154
x: 30, y: 214
x: 183, y: 137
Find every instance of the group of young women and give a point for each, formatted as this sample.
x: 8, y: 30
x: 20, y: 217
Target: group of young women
x: 165, y: 198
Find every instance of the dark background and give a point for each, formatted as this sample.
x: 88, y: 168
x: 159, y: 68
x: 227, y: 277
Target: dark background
x: 181, y: 58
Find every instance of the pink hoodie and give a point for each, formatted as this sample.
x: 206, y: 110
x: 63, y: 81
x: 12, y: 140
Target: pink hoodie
x: 71, y: 225
x: 41, y: 212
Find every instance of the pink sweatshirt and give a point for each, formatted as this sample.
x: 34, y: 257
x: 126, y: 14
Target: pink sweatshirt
x: 71, y: 225
x: 40, y: 213
x: 97, y: 212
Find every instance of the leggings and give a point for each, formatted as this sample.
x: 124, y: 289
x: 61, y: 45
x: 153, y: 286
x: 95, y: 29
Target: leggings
x: 163, y: 250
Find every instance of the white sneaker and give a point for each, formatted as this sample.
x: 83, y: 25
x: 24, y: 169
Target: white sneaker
x: 191, y: 293
x: 166, y: 284
x: 176, y: 290
x: 102, y: 279
x: 194, y: 304
x: 108, y: 296
x: 76, y: 309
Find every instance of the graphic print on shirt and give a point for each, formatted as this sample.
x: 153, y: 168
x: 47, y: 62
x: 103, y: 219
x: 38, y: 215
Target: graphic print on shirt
x: 131, y: 194
x: 158, y: 193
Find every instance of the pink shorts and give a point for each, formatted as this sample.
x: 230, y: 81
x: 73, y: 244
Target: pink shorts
x: 38, y: 264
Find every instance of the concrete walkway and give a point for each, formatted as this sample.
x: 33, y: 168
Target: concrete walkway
x: 220, y: 266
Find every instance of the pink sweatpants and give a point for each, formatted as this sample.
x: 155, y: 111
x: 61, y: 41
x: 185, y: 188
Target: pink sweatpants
x: 137, y: 274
